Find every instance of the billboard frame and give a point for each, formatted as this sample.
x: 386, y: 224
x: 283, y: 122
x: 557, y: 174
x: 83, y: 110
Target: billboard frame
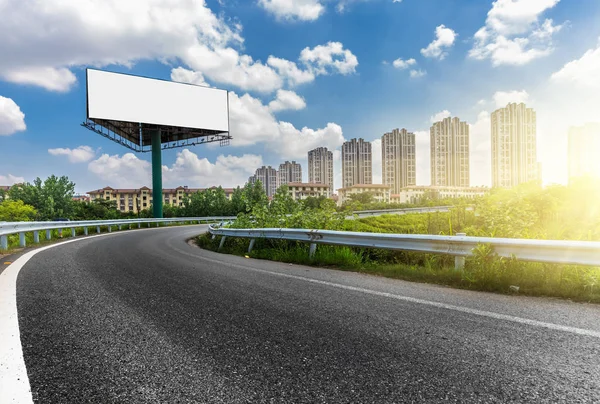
x: 152, y: 137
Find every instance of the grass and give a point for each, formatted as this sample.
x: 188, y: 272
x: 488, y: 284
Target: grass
x: 484, y: 271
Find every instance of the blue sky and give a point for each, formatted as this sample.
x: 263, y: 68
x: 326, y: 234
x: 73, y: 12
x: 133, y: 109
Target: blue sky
x: 329, y: 63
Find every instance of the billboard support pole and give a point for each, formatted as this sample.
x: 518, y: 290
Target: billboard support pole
x: 157, y: 198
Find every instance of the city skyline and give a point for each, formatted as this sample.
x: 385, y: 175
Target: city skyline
x: 294, y: 84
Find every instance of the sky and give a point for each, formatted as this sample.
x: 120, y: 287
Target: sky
x: 300, y: 74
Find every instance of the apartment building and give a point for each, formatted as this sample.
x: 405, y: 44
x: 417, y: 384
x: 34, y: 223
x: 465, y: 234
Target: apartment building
x: 134, y: 200
x: 357, y: 163
x: 380, y: 192
x: 289, y: 172
x: 514, y: 146
x: 268, y: 177
x: 584, y: 151
x: 450, y: 153
x: 320, y: 166
x: 417, y: 193
x: 398, y: 159
x: 302, y: 190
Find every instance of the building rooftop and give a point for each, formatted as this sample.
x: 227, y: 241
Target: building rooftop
x: 307, y: 184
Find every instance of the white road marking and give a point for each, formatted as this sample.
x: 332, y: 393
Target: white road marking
x: 14, y: 382
x: 484, y: 313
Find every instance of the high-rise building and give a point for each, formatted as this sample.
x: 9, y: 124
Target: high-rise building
x: 450, y: 153
x: 514, y: 149
x: 584, y: 150
x: 357, y: 163
x: 398, y: 159
x: 268, y: 177
x: 320, y: 166
x: 289, y: 172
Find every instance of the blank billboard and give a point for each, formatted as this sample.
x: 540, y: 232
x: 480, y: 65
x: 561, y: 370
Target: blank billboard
x: 126, y: 98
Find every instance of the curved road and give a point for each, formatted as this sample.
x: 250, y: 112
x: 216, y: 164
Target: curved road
x: 143, y: 317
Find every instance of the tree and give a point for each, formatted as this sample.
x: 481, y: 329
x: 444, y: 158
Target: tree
x: 238, y: 203
x: 16, y: 211
x: 283, y: 203
x: 364, y: 198
x: 51, y: 198
x: 255, y: 195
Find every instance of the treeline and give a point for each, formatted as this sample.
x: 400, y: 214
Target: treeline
x: 52, y: 199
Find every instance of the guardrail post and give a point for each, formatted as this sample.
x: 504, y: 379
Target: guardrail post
x: 139, y: 225
x: 459, y: 261
x: 60, y: 233
x: 85, y: 231
x: 109, y: 228
x: 48, y: 234
x: 312, y: 250
x: 251, y: 246
x: 97, y: 229
x: 73, y: 232
x: 36, y: 236
x: 119, y: 227
x: 22, y: 241
x: 222, y: 242
x: 4, y: 242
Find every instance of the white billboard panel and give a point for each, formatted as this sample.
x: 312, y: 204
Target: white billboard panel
x: 122, y: 97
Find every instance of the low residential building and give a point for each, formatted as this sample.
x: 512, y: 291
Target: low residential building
x: 381, y: 193
x: 82, y: 198
x: 134, y: 200
x: 417, y: 193
x: 302, y: 190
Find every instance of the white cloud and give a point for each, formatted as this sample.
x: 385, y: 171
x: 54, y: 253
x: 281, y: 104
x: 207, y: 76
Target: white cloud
x: 415, y: 74
x: 290, y: 72
x: 253, y: 122
x: 11, y: 179
x: 81, y: 154
x: 329, y: 58
x: 51, y: 36
x: 440, y: 116
x: 183, y: 75
x: 480, y: 150
x: 444, y: 39
x: 292, y: 143
x: 396, y: 1
x: 303, y: 10
x: 59, y: 36
x: 12, y: 119
x: 584, y: 72
x: 60, y: 80
x: 227, y: 171
x: 287, y: 100
x: 404, y: 64
x: 503, y: 98
x: 128, y: 171
x: 513, y: 35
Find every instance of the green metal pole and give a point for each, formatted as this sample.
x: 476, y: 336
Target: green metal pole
x: 157, y: 198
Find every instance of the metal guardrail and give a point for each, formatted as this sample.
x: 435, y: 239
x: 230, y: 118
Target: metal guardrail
x: 459, y: 246
x: 21, y: 228
x: 402, y: 211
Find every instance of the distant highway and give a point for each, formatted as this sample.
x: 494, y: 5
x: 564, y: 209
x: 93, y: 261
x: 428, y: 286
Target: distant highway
x: 144, y: 317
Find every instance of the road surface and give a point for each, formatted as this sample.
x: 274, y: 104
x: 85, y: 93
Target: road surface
x: 144, y: 317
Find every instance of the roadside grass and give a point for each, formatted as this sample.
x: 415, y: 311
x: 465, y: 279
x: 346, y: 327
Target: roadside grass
x: 484, y: 271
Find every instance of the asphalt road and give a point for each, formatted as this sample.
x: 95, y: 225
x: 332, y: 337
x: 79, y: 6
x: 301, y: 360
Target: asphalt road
x: 143, y: 317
